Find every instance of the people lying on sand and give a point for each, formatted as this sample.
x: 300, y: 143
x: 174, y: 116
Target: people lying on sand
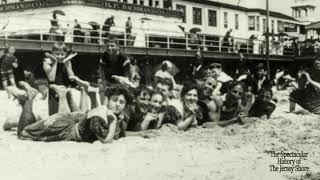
x: 140, y: 107
x: 101, y: 123
x: 207, y: 100
x: 190, y: 113
x: 58, y: 69
x: 307, y: 95
x: 163, y: 85
x: 40, y: 102
x: 222, y: 78
x: 153, y: 118
x: 230, y: 109
x: 258, y: 80
x: 263, y: 105
x: 283, y: 80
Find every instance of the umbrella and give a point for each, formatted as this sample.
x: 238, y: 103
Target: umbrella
x: 181, y: 27
x: 195, y: 30
x: 282, y: 34
x: 145, y: 18
x: 60, y: 12
x: 94, y: 24
x: 294, y: 38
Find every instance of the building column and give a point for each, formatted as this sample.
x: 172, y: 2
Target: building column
x: 306, y: 12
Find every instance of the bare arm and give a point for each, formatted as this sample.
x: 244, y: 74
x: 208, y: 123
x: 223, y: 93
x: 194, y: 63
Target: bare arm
x: 184, y: 124
x: 147, y: 120
x: 111, y: 133
x: 15, y: 63
x: 68, y: 66
x: 312, y: 82
x: 217, y: 89
x: 50, y: 70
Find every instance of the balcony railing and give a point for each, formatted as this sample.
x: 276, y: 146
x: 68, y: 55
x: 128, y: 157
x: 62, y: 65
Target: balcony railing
x: 143, y: 39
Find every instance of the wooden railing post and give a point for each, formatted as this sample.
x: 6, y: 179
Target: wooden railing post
x: 187, y: 42
x: 220, y: 44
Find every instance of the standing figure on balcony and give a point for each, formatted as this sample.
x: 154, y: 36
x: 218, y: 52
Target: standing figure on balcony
x: 140, y: 40
x: 68, y: 37
x: 107, y: 26
x: 77, y: 33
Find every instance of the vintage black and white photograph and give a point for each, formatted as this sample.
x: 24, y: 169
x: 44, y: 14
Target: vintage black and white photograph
x: 160, y: 89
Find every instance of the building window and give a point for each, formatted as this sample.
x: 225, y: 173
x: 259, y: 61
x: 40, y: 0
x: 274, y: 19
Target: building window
x: 197, y: 16
x: 236, y: 21
x: 264, y: 25
x: 151, y: 3
x: 252, y: 23
x: 212, y: 17
x: 225, y: 19
x: 258, y: 23
x: 182, y: 8
x: 272, y: 26
x: 4, y: 2
x: 135, y: 1
x: 125, y: 1
x: 141, y: 2
x: 156, y: 3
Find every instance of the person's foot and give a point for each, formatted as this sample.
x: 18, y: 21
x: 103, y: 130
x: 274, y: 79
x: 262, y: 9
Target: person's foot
x: 94, y: 90
x: 8, y: 125
x: 81, y: 83
x: 59, y: 89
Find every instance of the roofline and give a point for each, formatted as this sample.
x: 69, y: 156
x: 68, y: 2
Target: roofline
x: 241, y: 8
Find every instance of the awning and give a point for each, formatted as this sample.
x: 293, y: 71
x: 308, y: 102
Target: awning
x: 24, y: 22
x: 160, y: 28
x: 314, y: 26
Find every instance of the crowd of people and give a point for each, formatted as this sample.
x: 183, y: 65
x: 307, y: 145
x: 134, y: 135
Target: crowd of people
x: 130, y: 100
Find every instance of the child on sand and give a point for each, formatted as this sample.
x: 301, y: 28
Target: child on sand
x: 58, y: 69
x: 264, y: 105
x: 101, y: 123
x: 9, y: 62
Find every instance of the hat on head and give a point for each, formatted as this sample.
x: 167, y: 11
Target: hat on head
x: 213, y: 65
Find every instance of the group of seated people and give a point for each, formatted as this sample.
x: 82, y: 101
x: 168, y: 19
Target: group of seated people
x: 119, y: 105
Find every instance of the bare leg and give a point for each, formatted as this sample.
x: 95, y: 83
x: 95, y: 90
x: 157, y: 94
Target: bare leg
x: 84, y: 86
x: 12, y: 82
x: 5, y: 86
x: 72, y: 103
x: 63, y: 102
x: 292, y: 107
x: 16, y: 92
x: 27, y: 117
x: 94, y: 95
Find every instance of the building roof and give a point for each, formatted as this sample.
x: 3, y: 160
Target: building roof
x: 241, y: 8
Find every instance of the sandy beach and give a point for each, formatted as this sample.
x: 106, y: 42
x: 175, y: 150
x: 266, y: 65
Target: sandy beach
x: 235, y: 152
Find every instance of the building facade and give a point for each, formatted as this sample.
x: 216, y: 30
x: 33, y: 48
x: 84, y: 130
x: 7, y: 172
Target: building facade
x: 217, y: 18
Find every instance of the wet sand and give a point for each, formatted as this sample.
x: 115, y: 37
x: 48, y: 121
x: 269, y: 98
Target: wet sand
x: 235, y: 152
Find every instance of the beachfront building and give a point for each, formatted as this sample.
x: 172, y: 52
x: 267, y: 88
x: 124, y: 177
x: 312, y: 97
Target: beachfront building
x: 306, y: 12
x: 161, y: 27
x: 214, y: 17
